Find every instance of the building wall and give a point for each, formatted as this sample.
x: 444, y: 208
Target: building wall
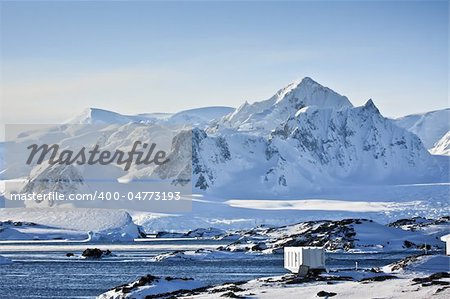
x: 313, y: 257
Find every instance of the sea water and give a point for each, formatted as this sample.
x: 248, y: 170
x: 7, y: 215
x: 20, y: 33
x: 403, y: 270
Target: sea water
x: 44, y: 271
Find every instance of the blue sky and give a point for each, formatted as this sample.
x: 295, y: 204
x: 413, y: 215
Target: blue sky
x: 58, y: 58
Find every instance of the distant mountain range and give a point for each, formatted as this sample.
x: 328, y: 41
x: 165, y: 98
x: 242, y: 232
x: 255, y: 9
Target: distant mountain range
x: 304, y: 137
x: 196, y: 117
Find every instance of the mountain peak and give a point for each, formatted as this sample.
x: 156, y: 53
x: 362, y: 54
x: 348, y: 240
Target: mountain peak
x: 309, y: 92
x: 264, y: 116
x: 309, y: 81
x: 306, y: 84
x: 369, y: 105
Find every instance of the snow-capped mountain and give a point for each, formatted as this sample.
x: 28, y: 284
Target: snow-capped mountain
x: 430, y: 126
x: 314, y: 147
x: 266, y: 115
x: 303, y: 138
x: 442, y: 147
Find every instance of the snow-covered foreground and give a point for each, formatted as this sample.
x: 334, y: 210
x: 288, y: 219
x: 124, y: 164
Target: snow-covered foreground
x: 402, y: 278
x: 395, y: 288
x: 151, y: 285
x: 420, y: 264
x: 423, y: 277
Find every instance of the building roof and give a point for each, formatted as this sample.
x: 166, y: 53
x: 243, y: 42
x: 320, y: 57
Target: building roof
x: 445, y: 238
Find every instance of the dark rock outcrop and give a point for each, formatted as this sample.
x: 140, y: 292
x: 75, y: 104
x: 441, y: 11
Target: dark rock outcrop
x: 325, y: 294
x: 95, y: 253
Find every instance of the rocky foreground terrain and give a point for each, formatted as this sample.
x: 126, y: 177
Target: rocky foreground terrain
x: 420, y: 277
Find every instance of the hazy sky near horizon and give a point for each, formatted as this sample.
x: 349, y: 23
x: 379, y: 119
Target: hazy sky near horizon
x: 58, y: 58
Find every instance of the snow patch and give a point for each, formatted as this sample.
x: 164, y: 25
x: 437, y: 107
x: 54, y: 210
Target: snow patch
x: 106, y: 225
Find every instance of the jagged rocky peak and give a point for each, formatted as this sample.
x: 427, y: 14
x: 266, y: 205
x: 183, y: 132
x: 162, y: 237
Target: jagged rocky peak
x: 264, y: 116
x: 326, y: 120
x: 308, y: 136
x: 370, y: 105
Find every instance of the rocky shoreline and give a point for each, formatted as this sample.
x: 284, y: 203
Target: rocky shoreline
x: 342, y: 284
x: 418, y: 275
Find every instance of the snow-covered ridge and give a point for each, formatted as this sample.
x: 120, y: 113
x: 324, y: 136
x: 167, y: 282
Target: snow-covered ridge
x: 101, y: 116
x: 430, y: 126
x: 197, y: 116
x: 200, y: 116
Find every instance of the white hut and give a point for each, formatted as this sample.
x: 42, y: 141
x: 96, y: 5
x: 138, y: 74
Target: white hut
x: 311, y: 257
x: 446, y: 239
